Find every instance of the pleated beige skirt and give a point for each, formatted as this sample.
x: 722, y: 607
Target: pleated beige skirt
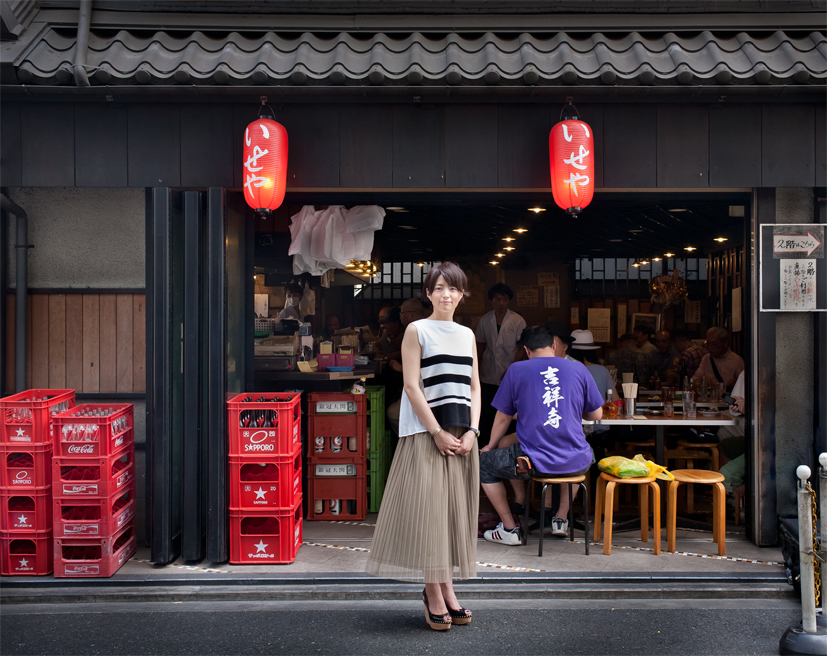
x: 427, y: 524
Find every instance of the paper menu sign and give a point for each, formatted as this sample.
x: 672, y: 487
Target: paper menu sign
x: 692, y: 312
x: 528, y: 296
x: 798, y: 284
x: 548, y: 278
x: 600, y: 324
x: 551, y: 296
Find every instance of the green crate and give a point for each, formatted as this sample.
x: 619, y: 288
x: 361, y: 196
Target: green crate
x: 376, y: 418
x: 376, y: 481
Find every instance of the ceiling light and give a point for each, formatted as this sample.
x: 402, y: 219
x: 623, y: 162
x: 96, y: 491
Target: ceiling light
x: 500, y: 255
x: 669, y: 255
x: 655, y: 259
x: 508, y: 238
x: 635, y: 264
x: 254, y: 277
x: 494, y: 262
x: 420, y: 264
x: 408, y: 227
x: 644, y: 261
x: 520, y: 230
x: 394, y: 209
x: 615, y: 240
x: 508, y: 248
x: 690, y: 248
x: 720, y: 239
x: 678, y: 209
x: 536, y: 210
x: 637, y: 230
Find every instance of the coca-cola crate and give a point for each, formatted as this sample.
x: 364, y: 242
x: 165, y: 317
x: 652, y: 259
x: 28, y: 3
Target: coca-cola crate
x: 265, y: 481
x: 92, y: 477
x: 27, y: 511
x: 94, y: 557
x: 25, y: 467
x: 342, y: 483
x: 79, y: 436
x: 26, y: 554
x: 93, y: 517
x: 261, y: 537
x: 24, y: 420
x: 333, y: 447
x: 270, y: 426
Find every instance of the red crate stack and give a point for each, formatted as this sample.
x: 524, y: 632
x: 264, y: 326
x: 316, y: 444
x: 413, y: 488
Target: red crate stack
x: 265, y: 477
x: 336, y: 456
x: 93, y: 490
x: 26, y: 439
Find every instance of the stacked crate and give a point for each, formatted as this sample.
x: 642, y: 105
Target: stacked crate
x: 93, y: 473
x: 336, y: 456
x: 378, y: 440
x: 265, y: 478
x: 26, y: 430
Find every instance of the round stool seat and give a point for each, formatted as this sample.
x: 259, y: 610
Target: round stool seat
x: 703, y: 445
x: 640, y: 480
x: 643, y: 443
x: 696, y: 476
x: 559, y: 479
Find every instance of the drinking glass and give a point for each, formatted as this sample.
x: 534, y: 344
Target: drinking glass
x: 690, y: 411
x: 720, y: 390
x: 668, y: 409
x: 688, y: 396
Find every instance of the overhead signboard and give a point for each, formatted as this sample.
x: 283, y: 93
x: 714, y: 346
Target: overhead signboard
x: 793, y: 268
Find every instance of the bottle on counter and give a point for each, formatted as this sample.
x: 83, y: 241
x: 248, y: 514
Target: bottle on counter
x: 609, y: 408
x: 359, y: 386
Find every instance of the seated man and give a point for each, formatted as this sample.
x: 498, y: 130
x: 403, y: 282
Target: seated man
x: 550, y: 396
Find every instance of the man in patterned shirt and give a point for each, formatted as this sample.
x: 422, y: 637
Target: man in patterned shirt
x: 691, y: 353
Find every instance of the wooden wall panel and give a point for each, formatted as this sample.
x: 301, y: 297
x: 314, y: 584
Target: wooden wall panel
x: 418, y: 147
x: 316, y: 128
x: 821, y: 146
x: 366, y: 146
x: 74, y: 341
x: 522, y: 146
x: 124, y: 342
x: 593, y: 115
x: 10, y: 154
x: 11, y: 315
x: 108, y: 342
x: 100, y: 145
x: 788, y: 146
x: 735, y: 146
x: 154, y: 145
x: 139, y: 343
x: 40, y: 341
x: 683, y: 146
x: 471, y: 146
x: 48, y: 145
x: 630, y: 146
x: 207, y: 146
x: 57, y: 341
x: 91, y: 343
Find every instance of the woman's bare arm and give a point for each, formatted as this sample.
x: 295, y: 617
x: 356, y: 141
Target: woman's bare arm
x: 476, y: 406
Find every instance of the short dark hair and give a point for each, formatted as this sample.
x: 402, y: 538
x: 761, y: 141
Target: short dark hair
x: 536, y: 337
x: 500, y: 288
x: 680, y: 334
x: 643, y: 328
x: 394, y: 315
x: 625, y: 337
x: 294, y: 288
x: 452, y: 274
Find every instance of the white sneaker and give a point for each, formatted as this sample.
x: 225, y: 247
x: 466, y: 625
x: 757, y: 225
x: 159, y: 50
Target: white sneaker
x: 559, y: 527
x: 504, y: 536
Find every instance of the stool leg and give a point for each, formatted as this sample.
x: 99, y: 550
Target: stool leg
x: 571, y: 513
x: 671, y: 515
x: 656, y: 503
x: 542, y: 518
x: 586, y: 515
x: 607, y: 529
x: 690, y: 490
x: 643, y: 496
x: 719, y: 518
x: 714, y: 513
x: 530, y: 484
x: 716, y: 459
x: 598, y: 506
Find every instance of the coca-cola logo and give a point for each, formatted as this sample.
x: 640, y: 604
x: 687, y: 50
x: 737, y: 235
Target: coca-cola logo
x: 124, y: 478
x: 85, y: 448
x: 80, y: 489
x: 82, y: 569
x: 80, y: 529
x: 119, y: 441
x: 126, y: 516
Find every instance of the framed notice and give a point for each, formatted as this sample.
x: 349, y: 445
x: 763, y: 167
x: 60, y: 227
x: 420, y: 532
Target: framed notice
x: 600, y: 324
x: 692, y: 312
x: 528, y: 296
x: 544, y: 279
x: 793, y: 269
x: 651, y: 320
x: 574, y: 318
x: 551, y: 296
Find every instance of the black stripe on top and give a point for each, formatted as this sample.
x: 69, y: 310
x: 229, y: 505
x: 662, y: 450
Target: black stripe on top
x: 452, y: 414
x: 446, y: 378
x: 449, y: 396
x: 447, y: 359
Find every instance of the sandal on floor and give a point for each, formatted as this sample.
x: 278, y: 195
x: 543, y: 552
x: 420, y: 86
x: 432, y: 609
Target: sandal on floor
x: 460, y: 615
x: 437, y: 622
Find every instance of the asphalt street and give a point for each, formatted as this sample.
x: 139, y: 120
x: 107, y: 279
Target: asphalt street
x: 659, y: 627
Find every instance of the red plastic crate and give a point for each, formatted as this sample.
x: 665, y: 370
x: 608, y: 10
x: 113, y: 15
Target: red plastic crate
x: 82, y: 437
x: 323, y: 431
x: 24, y: 421
x: 92, y: 477
x: 98, y: 518
x: 26, y: 554
x: 94, y: 557
x: 262, y: 537
x: 30, y: 510
x: 343, y: 489
x: 282, y: 411
x: 265, y: 481
x: 326, y: 398
x: 25, y: 467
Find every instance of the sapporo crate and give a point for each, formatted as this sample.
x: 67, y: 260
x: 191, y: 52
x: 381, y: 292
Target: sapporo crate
x: 26, y: 554
x: 27, y: 416
x: 25, y: 466
x: 92, y: 477
x: 26, y: 511
x: 93, y: 517
x: 265, y: 481
x: 83, y: 436
x: 336, y: 491
x: 94, y: 557
x: 269, y: 426
x: 261, y: 537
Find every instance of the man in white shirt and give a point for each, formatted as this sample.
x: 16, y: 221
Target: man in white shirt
x: 644, y: 334
x: 497, y: 334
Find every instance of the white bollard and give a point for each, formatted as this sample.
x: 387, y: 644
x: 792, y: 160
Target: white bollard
x: 805, y: 551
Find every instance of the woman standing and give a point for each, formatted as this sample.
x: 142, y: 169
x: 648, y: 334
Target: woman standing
x: 427, y: 525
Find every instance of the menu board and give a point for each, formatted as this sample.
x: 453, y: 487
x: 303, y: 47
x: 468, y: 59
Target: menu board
x: 551, y: 296
x: 528, y: 296
x: 692, y: 312
x: 793, y: 269
x: 600, y: 324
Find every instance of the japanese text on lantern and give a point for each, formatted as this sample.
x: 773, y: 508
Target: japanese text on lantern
x: 576, y: 161
x: 251, y: 164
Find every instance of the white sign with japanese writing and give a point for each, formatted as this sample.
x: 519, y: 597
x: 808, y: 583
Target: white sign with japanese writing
x: 335, y: 407
x: 551, y: 296
x: 692, y: 312
x: 600, y: 324
x: 528, y: 296
x: 798, y: 284
x: 548, y: 278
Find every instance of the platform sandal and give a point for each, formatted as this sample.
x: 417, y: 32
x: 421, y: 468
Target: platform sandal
x: 460, y: 615
x: 436, y: 622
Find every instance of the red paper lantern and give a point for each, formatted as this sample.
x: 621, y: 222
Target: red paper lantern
x: 571, y: 155
x: 265, y: 164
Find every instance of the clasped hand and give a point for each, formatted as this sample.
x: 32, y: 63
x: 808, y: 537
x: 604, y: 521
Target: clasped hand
x: 449, y: 445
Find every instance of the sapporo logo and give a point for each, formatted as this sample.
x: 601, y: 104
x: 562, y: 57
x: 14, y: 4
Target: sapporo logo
x: 22, y: 478
x: 261, y: 551
x: 23, y: 566
x: 20, y: 436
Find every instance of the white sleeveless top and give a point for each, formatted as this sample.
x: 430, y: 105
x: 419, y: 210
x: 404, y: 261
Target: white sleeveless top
x: 445, y: 375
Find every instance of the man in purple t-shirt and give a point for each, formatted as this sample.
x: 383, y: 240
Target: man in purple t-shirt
x: 550, y: 396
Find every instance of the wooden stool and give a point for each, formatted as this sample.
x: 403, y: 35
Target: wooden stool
x: 561, y: 480
x: 688, y: 457
x: 605, y: 497
x: 712, y: 446
x: 718, y: 505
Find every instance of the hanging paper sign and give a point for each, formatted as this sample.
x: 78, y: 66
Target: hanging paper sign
x: 692, y: 312
x: 600, y: 324
x: 574, y: 319
x: 528, y: 296
x: 549, y: 278
x: 551, y: 296
x: 793, y: 268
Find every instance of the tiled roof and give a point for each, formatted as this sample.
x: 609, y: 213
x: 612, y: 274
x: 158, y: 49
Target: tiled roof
x: 347, y: 58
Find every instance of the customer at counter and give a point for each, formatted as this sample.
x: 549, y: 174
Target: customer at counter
x: 390, y: 340
x: 628, y: 359
x: 643, y: 334
x: 331, y: 325
x: 690, y: 354
x: 720, y: 365
x: 663, y: 358
x: 293, y: 296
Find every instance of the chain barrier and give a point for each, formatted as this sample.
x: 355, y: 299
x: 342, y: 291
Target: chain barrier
x: 816, y: 556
